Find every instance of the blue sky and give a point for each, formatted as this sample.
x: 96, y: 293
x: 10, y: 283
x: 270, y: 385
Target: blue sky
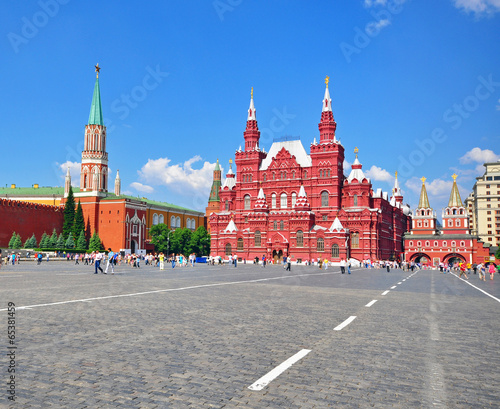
x: 415, y: 85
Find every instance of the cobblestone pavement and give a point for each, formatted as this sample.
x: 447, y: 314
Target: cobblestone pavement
x: 199, y: 337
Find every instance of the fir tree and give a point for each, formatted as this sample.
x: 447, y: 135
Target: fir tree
x: 79, y: 221
x: 18, y: 244
x: 28, y: 244
x: 70, y: 243
x: 95, y: 243
x: 12, y: 240
x: 53, y: 239
x: 69, y: 214
x: 60, y: 242
x: 43, y: 241
x: 81, y: 243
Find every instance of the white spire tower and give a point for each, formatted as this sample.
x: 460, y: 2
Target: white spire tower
x: 118, y: 183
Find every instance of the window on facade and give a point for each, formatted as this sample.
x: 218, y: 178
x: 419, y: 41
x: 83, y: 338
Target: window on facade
x: 462, y: 244
x: 188, y: 223
x: 427, y: 244
x: 240, y: 244
x: 419, y: 224
x: 161, y: 219
x: 283, y: 201
x: 457, y: 223
x: 355, y: 240
x: 300, y: 238
x: 178, y: 221
x: 293, y: 175
x: 172, y: 222
x: 445, y: 243
x: 324, y: 218
x: 305, y: 174
x: 155, y: 219
x: 282, y: 225
x: 294, y: 199
x: 328, y: 172
x: 450, y: 223
x: 228, y: 249
x: 435, y: 244
x: 320, y: 244
x: 247, y: 202
x: 335, y: 251
x: 273, y: 200
x: 355, y: 200
x: 257, y: 238
x: 264, y: 178
x: 227, y: 205
x: 274, y: 176
x: 134, y: 229
x: 324, y: 199
x: 453, y: 244
x: 410, y: 244
x: 275, y: 225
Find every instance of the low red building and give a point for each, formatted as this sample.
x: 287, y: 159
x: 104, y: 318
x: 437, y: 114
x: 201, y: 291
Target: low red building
x: 428, y: 244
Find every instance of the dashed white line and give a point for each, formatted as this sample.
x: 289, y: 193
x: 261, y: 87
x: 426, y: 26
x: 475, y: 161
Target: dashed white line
x: 345, y: 323
x: 385, y: 292
x: 371, y: 303
x: 393, y: 287
x: 270, y: 376
x: 399, y: 283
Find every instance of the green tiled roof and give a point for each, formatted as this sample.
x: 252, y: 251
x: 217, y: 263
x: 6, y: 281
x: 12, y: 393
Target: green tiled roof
x: 31, y: 191
x: 111, y: 196
x: 95, y: 117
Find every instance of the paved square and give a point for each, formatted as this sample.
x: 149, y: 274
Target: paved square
x: 200, y: 337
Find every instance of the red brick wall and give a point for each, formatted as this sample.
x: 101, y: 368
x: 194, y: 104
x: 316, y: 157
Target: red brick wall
x: 27, y: 218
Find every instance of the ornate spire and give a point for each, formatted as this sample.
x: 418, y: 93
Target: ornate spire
x: 260, y: 203
x: 252, y: 133
x: 118, y: 183
x: 357, y: 172
x: 67, y: 183
x: 95, y: 117
x: 423, y: 203
x: 327, y: 126
x: 327, y: 101
x: 251, y: 110
x: 302, y: 203
x: 216, y: 184
x: 455, y: 199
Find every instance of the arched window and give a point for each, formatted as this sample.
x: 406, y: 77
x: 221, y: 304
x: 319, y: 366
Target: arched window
x: 328, y: 172
x: 282, y: 225
x: 300, y: 238
x: 273, y: 200
x: 305, y: 174
x: 228, y: 249
x: 240, y: 244
x: 454, y: 211
x: 324, y: 199
x: 355, y: 200
x: 188, y: 223
x: 453, y: 244
x: 161, y: 219
x: 274, y: 176
x: 426, y: 223
x: 172, y: 222
x: 247, y: 202
x: 178, y: 221
x: 462, y: 244
x: 335, y: 251
x: 227, y: 205
x: 85, y: 180
x: 294, y: 199
x: 257, y: 238
x: 264, y: 177
x: 445, y: 243
x: 275, y: 225
x: 427, y: 244
x: 293, y: 175
x: 250, y: 178
x: 410, y: 244
x: 320, y: 244
x: 155, y: 219
x: 457, y: 222
x: 355, y: 240
x: 283, y: 201
x: 435, y: 244
x: 193, y: 224
x: 450, y: 223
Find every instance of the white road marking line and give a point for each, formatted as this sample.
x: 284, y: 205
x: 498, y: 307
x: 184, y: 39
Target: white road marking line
x: 2, y: 276
x: 404, y: 279
x: 385, y: 292
x: 399, y: 283
x: 170, y: 290
x: 393, y: 287
x: 371, y: 303
x: 72, y: 274
x: 270, y: 376
x: 477, y: 288
x: 345, y: 323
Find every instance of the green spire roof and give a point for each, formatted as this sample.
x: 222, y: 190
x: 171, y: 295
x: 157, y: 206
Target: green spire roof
x: 95, y: 117
x: 214, y: 192
x: 217, y: 167
x: 455, y: 199
x: 423, y: 203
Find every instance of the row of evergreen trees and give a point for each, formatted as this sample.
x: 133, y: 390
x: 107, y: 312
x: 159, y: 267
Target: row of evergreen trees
x: 73, y: 236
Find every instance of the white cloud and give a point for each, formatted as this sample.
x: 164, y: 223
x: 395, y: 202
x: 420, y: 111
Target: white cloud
x: 437, y: 187
x: 376, y: 26
x: 74, y: 171
x: 379, y: 174
x: 371, y: 3
x: 478, y: 6
x: 141, y: 188
x: 480, y: 156
x: 182, y: 178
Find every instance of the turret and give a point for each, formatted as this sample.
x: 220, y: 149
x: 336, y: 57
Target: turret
x: 424, y: 221
x: 252, y: 133
x: 67, y: 183
x: 455, y: 217
x: 327, y: 125
x: 397, y: 195
x: 118, y: 183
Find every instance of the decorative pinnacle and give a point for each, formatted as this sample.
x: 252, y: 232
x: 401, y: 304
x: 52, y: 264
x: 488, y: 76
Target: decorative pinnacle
x: 231, y: 160
x: 396, y: 174
x: 97, y: 69
x: 423, y: 180
x: 356, y: 150
x: 327, y: 79
x: 251, y: 93
x: 454, y: 176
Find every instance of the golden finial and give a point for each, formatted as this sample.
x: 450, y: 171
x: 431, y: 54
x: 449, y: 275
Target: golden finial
x: 396, y: 174
x: 217, y: 161
x: 97, y: 69
x: 356, y: 150
x: 251, y: 93
x: 327, y: 79
x: 231, y: 160
x: 454, y: 176
x: 423, y: 180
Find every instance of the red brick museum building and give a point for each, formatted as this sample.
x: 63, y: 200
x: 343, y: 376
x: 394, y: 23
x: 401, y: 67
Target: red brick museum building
x: 287, y: 202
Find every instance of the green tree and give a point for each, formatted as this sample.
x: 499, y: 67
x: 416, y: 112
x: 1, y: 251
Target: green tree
x: 79, y: 221
x: 95, y: 243
x: 160, y: 237
x: 200, y: 242
x: 53, y: 239
x: 18, y: 244
x: 70, y: 243
x: 31, y: 242
x: 12, y: 240
x: 179, y: 241
x: 81, y: 243
x: 60, y: 242
x: 44, y: 241
x: 69, y: 214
